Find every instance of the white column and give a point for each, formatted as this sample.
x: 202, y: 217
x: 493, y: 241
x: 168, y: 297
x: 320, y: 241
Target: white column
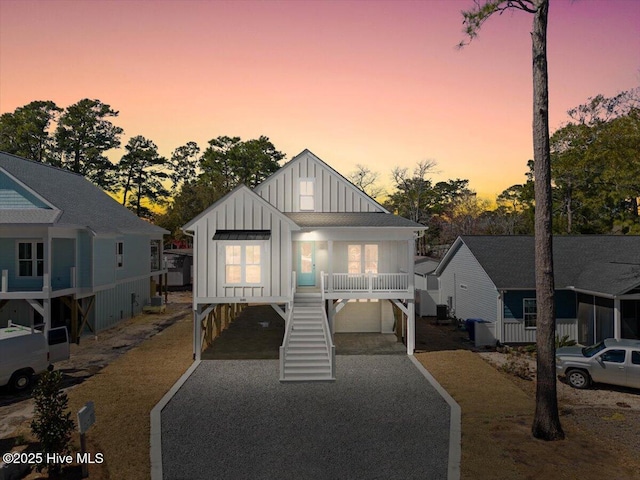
x: 411, y: 327
x: 330, y: 266
x: 617, y: 324
x: 197, y: 342
x: 411, y: 308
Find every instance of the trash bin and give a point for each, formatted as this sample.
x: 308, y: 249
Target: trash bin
x: 470, y: 325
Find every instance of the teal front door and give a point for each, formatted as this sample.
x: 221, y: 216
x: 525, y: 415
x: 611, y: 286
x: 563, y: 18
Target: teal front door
x: 307, y: 264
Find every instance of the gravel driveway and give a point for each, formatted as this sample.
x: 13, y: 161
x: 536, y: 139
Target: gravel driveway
x: 233, y: 419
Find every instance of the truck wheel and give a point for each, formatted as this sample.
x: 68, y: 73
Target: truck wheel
x: 21, y: 380
x: 578, y: 379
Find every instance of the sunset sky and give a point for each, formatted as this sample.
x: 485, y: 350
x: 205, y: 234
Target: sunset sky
x: 369, y: 82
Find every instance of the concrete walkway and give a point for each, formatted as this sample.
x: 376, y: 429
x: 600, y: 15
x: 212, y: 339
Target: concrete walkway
x: 233, y: 419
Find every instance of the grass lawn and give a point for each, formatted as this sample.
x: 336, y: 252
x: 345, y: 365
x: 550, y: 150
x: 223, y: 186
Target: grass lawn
x: 496, y: 428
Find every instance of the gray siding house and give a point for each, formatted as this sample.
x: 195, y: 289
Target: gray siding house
x: 69, y: 253
x: 597, y: 280
x: 326, y: 256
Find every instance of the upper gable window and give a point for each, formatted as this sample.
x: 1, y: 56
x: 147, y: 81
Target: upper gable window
x: 307, y: 194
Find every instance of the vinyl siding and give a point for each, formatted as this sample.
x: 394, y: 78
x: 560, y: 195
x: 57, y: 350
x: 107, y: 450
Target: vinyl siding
x: 63, y: 257
x: 84, y: 267
x: 480, y: 298
x: 137, y: 256
x: 104, y: 261
x: 514, y: 329
x: 13, y: 195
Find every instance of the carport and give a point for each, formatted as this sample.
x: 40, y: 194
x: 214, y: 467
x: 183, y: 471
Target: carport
x: 257, y: 332
x: 232, y: 419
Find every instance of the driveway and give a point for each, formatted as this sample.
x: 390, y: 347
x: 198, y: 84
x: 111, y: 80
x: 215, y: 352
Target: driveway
x: 233, y: 419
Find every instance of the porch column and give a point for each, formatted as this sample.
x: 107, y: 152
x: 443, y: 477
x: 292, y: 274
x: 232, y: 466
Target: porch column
x: 197, y: 341
x: 411, y: 326
x: 411, y: 306
x: 330, y: 269
x: 46, y: 277
x: 617, y: 324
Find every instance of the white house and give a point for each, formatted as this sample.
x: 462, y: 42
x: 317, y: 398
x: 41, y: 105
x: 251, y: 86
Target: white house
x: 326, y: 256
x: 597, y: 285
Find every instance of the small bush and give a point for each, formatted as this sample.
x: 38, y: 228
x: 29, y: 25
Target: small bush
x: 517, y: 365
x: 52, y: 424
x: 564, y: 341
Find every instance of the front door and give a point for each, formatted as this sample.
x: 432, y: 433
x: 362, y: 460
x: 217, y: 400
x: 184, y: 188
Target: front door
x: 307, y: 264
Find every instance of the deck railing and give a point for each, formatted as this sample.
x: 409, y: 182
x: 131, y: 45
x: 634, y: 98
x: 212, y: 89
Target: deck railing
x: 365, y: 282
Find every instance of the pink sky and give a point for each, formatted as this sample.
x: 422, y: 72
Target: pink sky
x: 370, y: 82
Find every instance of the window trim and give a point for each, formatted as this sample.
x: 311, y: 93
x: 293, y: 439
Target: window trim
x: 312, y: 196
x: 119, y: 254
x: 243, y: 244
x: 525, y: 314
x: 363, y: 258
x: 34, y: 260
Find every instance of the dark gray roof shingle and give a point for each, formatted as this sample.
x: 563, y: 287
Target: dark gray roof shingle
x: 352, y: 219
x: 81, y: 203
x: 608, y: 264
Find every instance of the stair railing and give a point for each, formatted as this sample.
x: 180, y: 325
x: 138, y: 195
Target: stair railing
x: 331, y: 348
x: 288, y: 324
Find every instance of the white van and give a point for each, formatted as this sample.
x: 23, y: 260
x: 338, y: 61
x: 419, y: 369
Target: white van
x: 25, y: 352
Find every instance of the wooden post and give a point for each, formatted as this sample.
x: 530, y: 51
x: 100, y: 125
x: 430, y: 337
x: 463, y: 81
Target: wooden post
x: 218, y: 319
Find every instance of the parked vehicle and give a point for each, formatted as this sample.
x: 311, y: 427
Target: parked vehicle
x: 616, y: 362
x: 25, y: 352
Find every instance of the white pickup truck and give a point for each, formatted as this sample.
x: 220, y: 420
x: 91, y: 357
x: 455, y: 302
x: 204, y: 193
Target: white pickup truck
x: 25, y: 352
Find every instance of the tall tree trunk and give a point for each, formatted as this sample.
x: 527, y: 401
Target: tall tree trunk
x: 546, y: 422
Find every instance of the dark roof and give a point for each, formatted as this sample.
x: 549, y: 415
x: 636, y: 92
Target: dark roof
x: 81, y: 204
x: 352, y: 219
x: 242, y: 235
x: 608, y: 264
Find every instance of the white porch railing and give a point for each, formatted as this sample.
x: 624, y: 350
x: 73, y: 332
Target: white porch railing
x: 364, y: 282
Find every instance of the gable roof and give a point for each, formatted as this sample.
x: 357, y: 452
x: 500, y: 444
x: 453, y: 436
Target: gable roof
x: 242, y: 188
x: 353, y: 219
x: 74, y: 201
x: 606, y: 264
x: 306, y: 153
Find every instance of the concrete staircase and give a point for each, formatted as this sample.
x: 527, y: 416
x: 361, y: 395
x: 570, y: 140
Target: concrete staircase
x: 309, y: 353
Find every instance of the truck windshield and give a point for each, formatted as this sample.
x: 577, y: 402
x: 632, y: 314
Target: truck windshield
x: 593, y: 349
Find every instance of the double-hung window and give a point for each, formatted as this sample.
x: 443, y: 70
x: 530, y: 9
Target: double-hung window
x: 362, y: 258
x: 530, y: 313
x: 243, y: 264
x: 30, y: 259
x: 307, y: 195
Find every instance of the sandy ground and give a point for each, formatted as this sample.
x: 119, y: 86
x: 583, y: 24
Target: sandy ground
x: 597, y: 396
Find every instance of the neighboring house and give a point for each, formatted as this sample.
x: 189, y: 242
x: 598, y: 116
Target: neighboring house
x: 597, y: 285
x: 427, y: 289
x: 308, y: 239
x: 69, y: 253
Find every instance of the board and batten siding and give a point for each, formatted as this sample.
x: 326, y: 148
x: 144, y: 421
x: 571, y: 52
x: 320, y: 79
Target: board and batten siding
x: 472, y: 292
x: 121, y: 302
x: 242, y: 211
x: 332, y: 192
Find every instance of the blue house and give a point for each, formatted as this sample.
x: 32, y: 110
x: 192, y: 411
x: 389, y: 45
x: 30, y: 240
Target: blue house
x: 69, y: 253
x: 597, y: 281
